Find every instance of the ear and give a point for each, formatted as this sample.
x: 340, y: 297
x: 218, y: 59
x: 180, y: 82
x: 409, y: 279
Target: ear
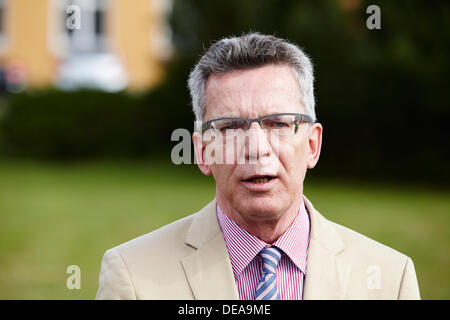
x: 199, y: 148
x: 314, y: 144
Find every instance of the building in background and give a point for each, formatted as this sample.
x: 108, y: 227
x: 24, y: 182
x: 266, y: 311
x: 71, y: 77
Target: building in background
x: 104, y: 44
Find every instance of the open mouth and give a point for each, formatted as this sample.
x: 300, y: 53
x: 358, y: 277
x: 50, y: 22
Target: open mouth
x: 260, y: 179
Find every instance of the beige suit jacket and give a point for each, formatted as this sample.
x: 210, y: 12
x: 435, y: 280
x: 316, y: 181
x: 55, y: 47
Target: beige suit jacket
x: 188, y: 259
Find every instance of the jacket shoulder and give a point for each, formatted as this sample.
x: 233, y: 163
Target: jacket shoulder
x: 367, y: 247
x: 148, y: 267
x: 168, y: 239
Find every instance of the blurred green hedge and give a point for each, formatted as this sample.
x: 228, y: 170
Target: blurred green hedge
x: 58, y: 124
x: 65, y: 125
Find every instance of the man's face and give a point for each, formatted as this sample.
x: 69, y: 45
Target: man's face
x: 255, y: 93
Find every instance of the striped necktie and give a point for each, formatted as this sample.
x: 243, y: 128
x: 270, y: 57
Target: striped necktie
x: 267, y: 287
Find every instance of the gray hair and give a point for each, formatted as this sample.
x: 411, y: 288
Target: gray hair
x: 247, y: 51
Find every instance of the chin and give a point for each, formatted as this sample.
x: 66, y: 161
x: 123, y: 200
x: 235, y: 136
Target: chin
x: 264, y: 206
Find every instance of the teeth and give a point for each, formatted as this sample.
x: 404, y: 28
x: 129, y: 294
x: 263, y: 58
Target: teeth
x: 260, y: 180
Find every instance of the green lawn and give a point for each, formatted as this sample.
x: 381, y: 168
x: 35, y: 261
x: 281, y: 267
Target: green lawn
x: 53, y: 216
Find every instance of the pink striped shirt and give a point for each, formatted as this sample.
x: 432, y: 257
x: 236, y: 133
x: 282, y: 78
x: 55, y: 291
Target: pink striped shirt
x: 247, y: 265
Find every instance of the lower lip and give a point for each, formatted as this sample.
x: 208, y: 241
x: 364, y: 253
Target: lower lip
x: 260, y: 187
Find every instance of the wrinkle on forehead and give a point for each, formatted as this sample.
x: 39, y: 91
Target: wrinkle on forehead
x: 252, y: 92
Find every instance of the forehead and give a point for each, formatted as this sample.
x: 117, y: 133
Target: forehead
x: 252, y: 92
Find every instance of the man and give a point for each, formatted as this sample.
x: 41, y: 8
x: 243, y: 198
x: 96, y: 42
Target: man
x: 260, y: 238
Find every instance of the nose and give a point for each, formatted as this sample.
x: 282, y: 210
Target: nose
x: 257, y: 145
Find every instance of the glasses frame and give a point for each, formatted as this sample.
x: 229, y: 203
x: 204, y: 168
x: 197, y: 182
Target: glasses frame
x: 299, y: 117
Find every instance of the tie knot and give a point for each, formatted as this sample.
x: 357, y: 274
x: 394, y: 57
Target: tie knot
x: 271, y: 256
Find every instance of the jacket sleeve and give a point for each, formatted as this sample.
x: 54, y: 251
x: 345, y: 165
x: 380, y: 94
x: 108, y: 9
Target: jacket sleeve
x: 114, y: 281
x: 409, y: 288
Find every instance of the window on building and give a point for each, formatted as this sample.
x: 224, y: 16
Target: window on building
x: 86, y: 59
x: 91, y: 34
x: 2, y: 21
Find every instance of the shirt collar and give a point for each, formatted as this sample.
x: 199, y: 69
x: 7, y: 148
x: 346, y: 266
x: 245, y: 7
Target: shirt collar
x: 243, y: 247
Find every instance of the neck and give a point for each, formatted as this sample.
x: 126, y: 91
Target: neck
x: 267, y: 229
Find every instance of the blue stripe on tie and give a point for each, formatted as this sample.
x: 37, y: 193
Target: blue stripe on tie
x: 267, y: 271
x: 266, y: 284
x: 261, y: 294
x: 273, y: 254
x: 270, y: 294
x: 270, y: 263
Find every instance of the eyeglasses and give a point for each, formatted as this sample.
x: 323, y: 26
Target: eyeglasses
x: 283, y: 124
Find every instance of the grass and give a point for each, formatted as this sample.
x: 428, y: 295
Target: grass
x: 55, y: 215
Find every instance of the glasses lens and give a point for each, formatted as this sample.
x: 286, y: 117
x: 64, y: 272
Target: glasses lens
x: 280, y: 124
x: 230, y: 125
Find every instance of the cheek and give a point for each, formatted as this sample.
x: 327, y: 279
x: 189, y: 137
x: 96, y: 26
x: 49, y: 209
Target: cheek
x: 294, y: 160
x: 222, y: 174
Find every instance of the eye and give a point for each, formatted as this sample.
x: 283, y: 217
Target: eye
x: 280, y: 124
x: 228, y: 127
x: 231, y: 125
x: 277, y: 124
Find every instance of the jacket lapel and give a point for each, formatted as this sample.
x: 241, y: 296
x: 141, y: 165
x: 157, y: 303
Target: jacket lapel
x: 208, y: 268
x: 326, y: 274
